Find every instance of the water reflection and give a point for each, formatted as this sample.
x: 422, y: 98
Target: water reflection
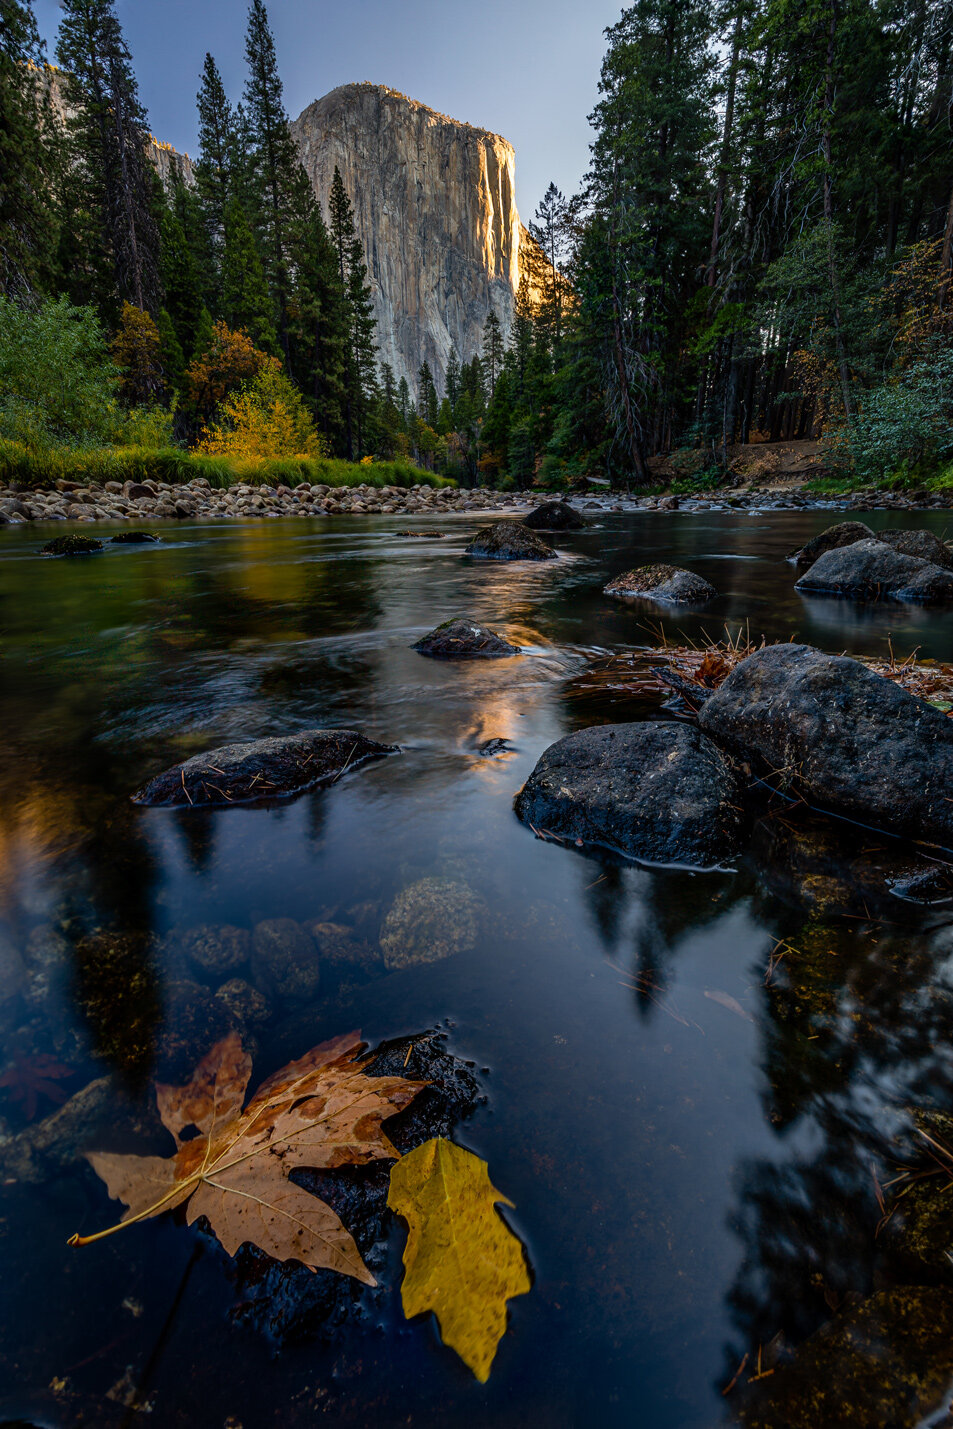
x: 691, y: 1080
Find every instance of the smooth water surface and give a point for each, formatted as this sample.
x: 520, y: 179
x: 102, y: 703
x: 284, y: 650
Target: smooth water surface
x: 688, y: 1142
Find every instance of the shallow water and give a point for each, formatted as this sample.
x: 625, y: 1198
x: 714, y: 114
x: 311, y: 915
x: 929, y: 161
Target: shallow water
x: 690, y: 1163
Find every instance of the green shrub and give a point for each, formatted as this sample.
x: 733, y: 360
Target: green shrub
x: 57, y: 380
x: 904, y: 429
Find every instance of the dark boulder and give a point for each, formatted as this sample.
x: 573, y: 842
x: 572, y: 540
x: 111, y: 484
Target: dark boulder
x: 262, y: 769
x: 133, y: 538
x: 554, y: 516
x: 509, y: 541
x: 462, y: 639
x: 850, y: 741
x: 670, y: 585
x: 845, y: 533
x: 71, y: 546
x: 919, y: 543
x: 872, y: 571
x: 658, y: 791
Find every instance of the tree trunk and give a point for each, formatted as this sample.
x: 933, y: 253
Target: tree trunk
x: 842, y: 366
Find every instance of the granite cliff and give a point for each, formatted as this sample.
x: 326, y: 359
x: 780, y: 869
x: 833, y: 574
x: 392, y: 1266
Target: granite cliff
x: 435, y: 208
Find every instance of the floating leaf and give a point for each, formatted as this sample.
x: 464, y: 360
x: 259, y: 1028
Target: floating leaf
x: 321, y: 1111
x: 461, y: 1260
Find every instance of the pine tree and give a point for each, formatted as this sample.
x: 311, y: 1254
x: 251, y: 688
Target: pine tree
x: 361, y: 357
x: 452, y: 380
x: 180, y: 272
x: 274, y: 165
x: 428, y: 405
x: 492, y: 349
x: 244, y: 301
x: 551, y: 230
x: 216, y: 168
x: 319, y: 324
x: 28, y: 156
x: 108, y: 141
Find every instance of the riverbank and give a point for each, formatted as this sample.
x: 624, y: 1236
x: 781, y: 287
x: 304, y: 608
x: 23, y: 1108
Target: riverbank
x: 148, y: 501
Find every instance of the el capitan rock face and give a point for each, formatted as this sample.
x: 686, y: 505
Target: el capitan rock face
x: 435, y: 209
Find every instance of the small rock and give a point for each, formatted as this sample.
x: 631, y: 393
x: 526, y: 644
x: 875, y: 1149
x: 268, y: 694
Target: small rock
x: 431, y: 920
x: 71, y: 546
x: 132, y: 538
x: 509, y: 541
x: 669, y: 585
x: 261, y: 769
x: 285, y: 960
x: 216, y: 950
x: 554, y: 516
x: 245, y: 1004
x: 462, y: 639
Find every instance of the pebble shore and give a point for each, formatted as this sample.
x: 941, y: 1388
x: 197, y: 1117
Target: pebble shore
x: 149, y: 501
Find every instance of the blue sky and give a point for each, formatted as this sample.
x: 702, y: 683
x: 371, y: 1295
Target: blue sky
x: 527, y: 69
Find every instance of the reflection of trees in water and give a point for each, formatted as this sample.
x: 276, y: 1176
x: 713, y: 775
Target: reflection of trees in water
x: 858, y: 1027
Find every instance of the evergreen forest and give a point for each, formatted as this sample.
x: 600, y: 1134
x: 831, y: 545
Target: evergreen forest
x: 760, y: 252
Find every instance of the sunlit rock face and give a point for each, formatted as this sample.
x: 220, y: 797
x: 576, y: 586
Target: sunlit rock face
x: 435, y: 208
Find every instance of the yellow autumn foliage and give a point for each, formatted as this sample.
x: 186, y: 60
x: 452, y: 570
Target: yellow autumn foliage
x: 266, y: 419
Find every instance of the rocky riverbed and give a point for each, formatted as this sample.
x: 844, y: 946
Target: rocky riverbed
x: 159, y: 501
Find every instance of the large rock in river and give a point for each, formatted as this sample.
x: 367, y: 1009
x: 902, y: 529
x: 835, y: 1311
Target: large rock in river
x: 554, y: 516
x: 871, y: 571
x: 463, y: 639
x: 657, y: 791
x: 670, y: 585
x: 850, y: 741
x: 845, y: 533
x: 510, y: 541
x: 262, y: 768
x: 919, y: 543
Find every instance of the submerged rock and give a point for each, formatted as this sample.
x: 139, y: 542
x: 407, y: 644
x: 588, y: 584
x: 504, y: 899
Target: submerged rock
x: 850, y: 741
x: 71, y: 546
x: 262, y: 768
x: 887, y: 1363
x: 510, y: 541
x: 668, y: 584
x: 845, y: 533
x: 658, y: 791
x: 462, y: 639
x: 554, y: 516
x: 431, y: 920
x: 285, y: 960
x: 132, y: 538
x: 248, y: 1008
x: 870, y: 570
x: 421, y: 535
x: 216, y: 950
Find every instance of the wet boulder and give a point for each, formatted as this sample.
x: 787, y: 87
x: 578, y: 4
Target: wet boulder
x: 72, y: 546
x: 848, y: 740
x: 657, y: 791
x: 261, y: 769
x: 872, y: 571
x: 510, y: 541
x: 919, y: 543
x: 284, y: 960
x: 431, y: 920
x: 554, y: 516
x: 462, y: 639
x: 133, y: 538
x: 845, y: 533
x: 670, y: 585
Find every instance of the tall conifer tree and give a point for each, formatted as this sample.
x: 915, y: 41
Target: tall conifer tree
x: 361, y: 360
x: 28, y: 156
x: 109, y: 136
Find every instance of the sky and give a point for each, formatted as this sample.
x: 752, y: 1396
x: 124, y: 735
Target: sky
x: 526, y: 69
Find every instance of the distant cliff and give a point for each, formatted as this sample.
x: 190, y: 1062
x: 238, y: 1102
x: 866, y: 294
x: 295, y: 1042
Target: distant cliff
x: 168, y: 161
x: 435, y: 209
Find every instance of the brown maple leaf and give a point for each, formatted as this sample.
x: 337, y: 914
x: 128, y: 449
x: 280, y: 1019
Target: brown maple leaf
x: 321, y: 1111
x: 30, y: 1077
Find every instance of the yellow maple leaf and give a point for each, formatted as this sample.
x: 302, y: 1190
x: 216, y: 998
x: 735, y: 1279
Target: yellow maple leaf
x: 461, y: 1260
